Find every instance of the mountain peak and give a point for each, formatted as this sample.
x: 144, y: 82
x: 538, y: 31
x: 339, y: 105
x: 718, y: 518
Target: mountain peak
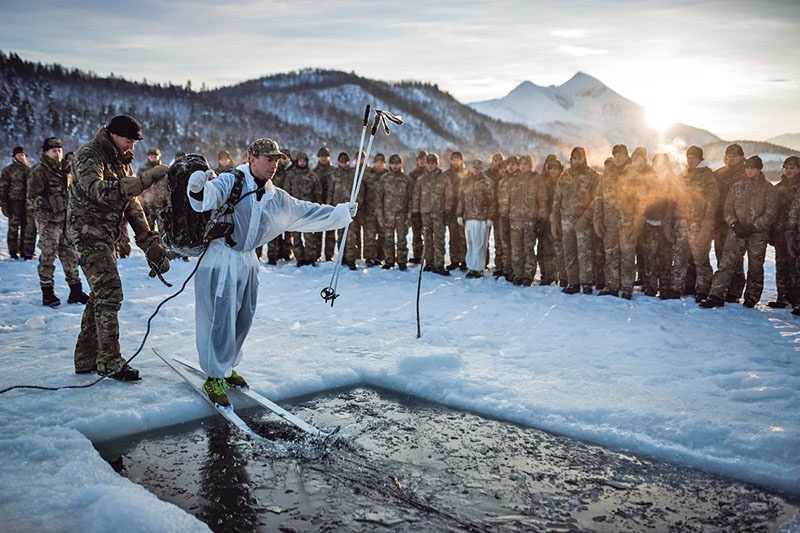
x: 583, y: 82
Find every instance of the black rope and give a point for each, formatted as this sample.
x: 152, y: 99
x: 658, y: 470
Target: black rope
x: 141, y: 346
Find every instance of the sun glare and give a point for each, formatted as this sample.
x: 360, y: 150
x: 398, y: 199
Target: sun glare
x: 660, y: 116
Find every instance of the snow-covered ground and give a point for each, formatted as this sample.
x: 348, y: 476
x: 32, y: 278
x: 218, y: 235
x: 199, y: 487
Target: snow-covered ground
x: 714, y: 389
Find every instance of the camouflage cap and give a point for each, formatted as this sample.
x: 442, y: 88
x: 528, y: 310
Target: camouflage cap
x: 754, y: 161
x: 395, y: 158
x: 734, y: 149
x: 422, y: 154
x: 792, y: 160
x: 19, y: 150
x: 477, y: 163
x: 379, y: 157
x: 154, y: 151
x: 639, y: 151
x: 301, y: 155
x: 343, y: 156
x: 512, y: 160
x: 224, y: 154
x: 265, y: 147
x: 52, y: 142
x: 694, y: 150
x: 619, y: 149
x: 324, y: 152
x: 432, y: 158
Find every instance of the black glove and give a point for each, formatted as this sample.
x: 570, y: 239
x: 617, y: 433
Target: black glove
x: 157, y: 258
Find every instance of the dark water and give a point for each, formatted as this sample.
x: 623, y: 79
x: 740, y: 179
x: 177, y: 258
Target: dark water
x: 406, y: 465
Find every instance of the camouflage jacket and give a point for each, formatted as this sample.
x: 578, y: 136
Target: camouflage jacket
x: 48, y: 190
x: 516, y: 198
x: 658, y: 197
x: 98, y: 203
x: 432, y: 194
x: 726, y: 177
x: 545, y: 187
x: 786, y: 191
x: 699, y: 195
x: 158, y: 195
x: 476, y: 198
x: 457, y: 176
x: 342, y: 187
x: 573, y: 196
x: 396, y: 191
x: 753, y: 202
x: 14, y: 183
x: 304, y: 184
x: 325, y: 174
x: 372, y: 192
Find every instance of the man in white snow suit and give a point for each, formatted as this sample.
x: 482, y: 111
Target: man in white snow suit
x: 226, y: 283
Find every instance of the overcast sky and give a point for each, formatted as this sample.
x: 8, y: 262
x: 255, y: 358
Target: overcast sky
x: 731, y: 67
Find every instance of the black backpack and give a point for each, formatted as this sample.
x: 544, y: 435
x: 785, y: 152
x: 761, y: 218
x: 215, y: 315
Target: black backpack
x: 186, y: 231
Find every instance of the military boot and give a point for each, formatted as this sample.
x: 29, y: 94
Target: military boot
x: 49, y: 297
x: 216, y: 389
x: 76, y: 294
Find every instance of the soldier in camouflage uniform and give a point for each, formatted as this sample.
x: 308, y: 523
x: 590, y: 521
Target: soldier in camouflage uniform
x: 475, y: 211
x: 373, y: 233
x: 431, y: 200
x: 339, y: 192
x: 496, y: 173
x: 48, y: 190
x: 304, y: 184
x: 416, y: 222
x: 786, y: 275
x: 457, y: 173
x: 517, y: 197
x: 224, y: 162
x: 750, y: 210
x: 324, y: 170
x: 281, y: 246
x: 155, y: 198
x: 13, y: 193
x: 695, y: 210
x: 103, y: 195
x: 394, y: 203
x: 731, y: 173
x: 658, y: 235
x: 547, y: 250
x: 571, y: 221
x: 606, y: 217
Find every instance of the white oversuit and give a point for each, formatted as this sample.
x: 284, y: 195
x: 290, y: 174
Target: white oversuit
x: 226, y: 283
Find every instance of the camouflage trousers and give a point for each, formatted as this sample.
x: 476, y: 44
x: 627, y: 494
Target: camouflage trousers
x: 576, y: 242
x: 416, y: 238
x: 691, y: 244
x: 306, y: 246
x: 280, y: 247
x: 458, y: 242
x: 330, y: 244
x: 98, y: 340
x: 546, y: 256
x: 373, y: 239
x: 502, y: 244
x: 352, y: 248
x: 433, y: 239
x: 21, y: 231
x: 787, y: 276
x: 395, y: 243
x: 620, y: 258
x: 52, y: 244
x: 736, y: 286
x: 756, y: 248
x: 522, y: 240
x: 658, y: 267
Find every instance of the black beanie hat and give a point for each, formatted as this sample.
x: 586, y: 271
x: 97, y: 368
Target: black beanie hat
x: 126, y: 126
x: 52, y: 142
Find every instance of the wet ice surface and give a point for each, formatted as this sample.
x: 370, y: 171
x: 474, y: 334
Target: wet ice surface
x: 407, y: 465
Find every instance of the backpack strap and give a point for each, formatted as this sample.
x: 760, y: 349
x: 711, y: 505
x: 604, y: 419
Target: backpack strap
x: 235, y: 195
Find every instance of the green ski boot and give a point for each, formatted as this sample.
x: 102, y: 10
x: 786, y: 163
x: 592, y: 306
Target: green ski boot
x: 215, y: 388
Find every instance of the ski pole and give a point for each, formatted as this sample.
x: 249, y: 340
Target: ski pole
x: 329, y: 292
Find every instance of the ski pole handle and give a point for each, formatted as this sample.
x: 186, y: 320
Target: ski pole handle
x: 366, y: 115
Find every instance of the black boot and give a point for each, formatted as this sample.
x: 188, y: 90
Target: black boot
x: 76, y: 294
x: 49, y: 297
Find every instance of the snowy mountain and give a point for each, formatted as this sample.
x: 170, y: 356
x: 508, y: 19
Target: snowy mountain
x: 789, y: 140
x: 304, y: 110
x: 584, y: 111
